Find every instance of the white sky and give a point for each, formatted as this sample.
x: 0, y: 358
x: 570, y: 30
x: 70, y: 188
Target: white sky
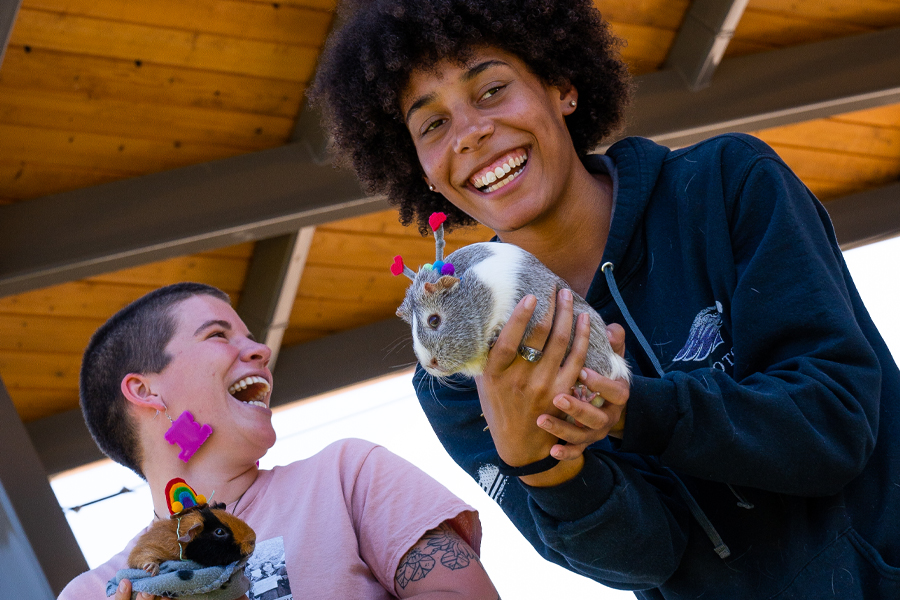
x: 387, y: 412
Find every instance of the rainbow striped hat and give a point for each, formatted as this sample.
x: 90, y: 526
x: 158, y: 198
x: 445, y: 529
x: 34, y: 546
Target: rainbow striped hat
x: 181, y: 497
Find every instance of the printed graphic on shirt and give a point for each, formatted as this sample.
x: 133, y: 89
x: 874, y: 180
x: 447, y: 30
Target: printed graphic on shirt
x: 704, y: 336
x: 492, y: 482
x: 267, y: 572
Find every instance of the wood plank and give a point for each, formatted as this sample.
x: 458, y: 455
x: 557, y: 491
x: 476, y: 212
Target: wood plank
x: 386, y: 222
x: 829, y: 190
x: 662, y: 14
x: 79, y: 299
x: 243, y: 251
x: 224, y: 273
x: 781, y: 30
x: 46, y: 334
x: 837, y: 135
x: 874, y: 14
x: 136, y: 81
x: 24, y: 180
x: 313, y: 318
x: 839, y: 166
x: 73, y: 113
x: 646, y: 47
x: 353, y: 285
x: 375, y: 252
x: 39, y: 370
x: 32, y: 403
x: 164, y: 46
x: 269, y: 21
x: 884, y: 116
x: 105, y: 152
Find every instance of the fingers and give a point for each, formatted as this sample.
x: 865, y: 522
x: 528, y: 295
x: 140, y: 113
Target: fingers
x: 506, y: 347
x: 616, y: 335
x: 123, y: 592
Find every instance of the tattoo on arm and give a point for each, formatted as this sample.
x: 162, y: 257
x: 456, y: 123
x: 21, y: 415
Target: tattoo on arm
x: 440, y: 544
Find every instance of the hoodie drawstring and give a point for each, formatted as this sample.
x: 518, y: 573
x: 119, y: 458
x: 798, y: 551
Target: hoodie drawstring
x: 718, y: 544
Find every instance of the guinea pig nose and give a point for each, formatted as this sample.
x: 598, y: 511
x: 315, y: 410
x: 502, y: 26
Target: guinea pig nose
x: 434, y: 362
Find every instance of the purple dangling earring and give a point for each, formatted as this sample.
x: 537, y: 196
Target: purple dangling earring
x: 187, y: 433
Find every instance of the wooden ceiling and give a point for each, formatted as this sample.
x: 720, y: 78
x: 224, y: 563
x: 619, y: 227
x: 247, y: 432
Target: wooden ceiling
x: 100, y: 91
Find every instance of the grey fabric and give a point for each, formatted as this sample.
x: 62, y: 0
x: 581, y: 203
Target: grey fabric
x: 186, y: 579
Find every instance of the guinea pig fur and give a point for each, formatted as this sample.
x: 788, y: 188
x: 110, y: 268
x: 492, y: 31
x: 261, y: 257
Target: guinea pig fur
x: 209, y: 536
x: 456, y: 319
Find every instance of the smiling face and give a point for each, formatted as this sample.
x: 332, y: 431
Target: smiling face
x: 220, y: 374
x: 491, y: 137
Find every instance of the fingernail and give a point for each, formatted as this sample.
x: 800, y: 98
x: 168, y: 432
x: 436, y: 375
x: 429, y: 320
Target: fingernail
x: 530, y: 301
x: 561, y: 403
x: 122, y: 586
x: 544, y: 424
x: 556, y: 453
x: 583, y: 375
x: 566, y: 294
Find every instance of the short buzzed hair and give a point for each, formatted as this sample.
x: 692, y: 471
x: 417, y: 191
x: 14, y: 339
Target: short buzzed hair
x: 133, y: 340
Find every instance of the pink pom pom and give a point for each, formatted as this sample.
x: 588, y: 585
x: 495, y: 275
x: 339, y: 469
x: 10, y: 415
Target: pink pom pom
x: 436, y: 220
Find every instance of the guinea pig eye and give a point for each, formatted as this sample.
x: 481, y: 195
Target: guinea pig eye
x: 220, y: 532
x: 434, y: 321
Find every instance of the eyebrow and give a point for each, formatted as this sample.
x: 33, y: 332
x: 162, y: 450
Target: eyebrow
x: 224, y: 324
x: 469, y: 75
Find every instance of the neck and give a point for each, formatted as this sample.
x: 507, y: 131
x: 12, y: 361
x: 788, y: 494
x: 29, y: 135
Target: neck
x: 571, y: 240
x: 218, y: 481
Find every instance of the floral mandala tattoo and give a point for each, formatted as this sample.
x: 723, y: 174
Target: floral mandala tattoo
x: 442, y: 543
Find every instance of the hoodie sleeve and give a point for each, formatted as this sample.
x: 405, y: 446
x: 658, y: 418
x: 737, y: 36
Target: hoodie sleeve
x: 799, y: 414
x: 619, y: 522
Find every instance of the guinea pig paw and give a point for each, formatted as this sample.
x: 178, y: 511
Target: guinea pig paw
x: 152, y: 568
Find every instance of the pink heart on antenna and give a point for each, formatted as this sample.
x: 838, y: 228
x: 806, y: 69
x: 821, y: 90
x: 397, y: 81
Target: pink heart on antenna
x: 436, y: 220
x: 397, y: 267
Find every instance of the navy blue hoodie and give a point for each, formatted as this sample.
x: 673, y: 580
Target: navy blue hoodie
x: 779, y: 409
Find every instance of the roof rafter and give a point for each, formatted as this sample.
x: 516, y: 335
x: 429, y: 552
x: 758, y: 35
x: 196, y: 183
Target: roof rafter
x: 702, y: 39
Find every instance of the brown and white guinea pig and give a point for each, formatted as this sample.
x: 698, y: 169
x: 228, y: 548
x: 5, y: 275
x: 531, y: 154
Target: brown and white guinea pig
x: 209, y: 536
x: 456, y: 318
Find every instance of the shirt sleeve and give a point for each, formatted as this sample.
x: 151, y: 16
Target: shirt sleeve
x: 799, y: 414
x: 394, y: 503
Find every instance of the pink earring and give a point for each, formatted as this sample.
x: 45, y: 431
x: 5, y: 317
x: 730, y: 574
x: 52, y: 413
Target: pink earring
x: 187, y: 433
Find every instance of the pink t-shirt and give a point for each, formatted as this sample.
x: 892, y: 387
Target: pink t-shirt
x: 334, y: 525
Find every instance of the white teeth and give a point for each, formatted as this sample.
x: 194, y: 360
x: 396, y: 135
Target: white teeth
x: 244, y: 383
x: 257, y: 403
x: 499, y: 172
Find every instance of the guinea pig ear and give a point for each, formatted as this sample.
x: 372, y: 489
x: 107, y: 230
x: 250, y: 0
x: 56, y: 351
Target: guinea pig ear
x: 191, y: 533
x: 403, y: 311
x: 445, y: 283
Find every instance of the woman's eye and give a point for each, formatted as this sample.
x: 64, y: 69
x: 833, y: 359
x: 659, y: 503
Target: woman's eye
x: 433, y: 125
x: 220, y: 334
x: 434, y: 321
x: 491, y: 92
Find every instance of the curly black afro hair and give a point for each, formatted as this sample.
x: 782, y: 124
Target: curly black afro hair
x: 367, y: 64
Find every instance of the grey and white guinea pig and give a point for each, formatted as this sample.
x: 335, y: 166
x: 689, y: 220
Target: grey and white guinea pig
x: 455, y: 319
x: 209, y: 536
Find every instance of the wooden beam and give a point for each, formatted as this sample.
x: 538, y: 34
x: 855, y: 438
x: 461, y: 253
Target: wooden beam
x: 38, y: 552
x: 271, y: 286
x: 866, y: 217
x: 703, y: 38
x: 86, y: 232
x: 769, y: 89
x: 9, y: 10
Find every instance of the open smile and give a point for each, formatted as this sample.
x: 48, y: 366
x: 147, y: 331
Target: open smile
x: 251, y: 390
x: 501, y: 172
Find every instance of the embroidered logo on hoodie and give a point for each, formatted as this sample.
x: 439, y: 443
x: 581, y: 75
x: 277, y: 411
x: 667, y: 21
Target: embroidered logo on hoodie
x: 704, y: 336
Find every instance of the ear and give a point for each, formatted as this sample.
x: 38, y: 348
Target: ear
x: 403, y: 311
x: 447, y: 282
x: 567, y: 95
x: 189, y: 535
x: 136, y: 389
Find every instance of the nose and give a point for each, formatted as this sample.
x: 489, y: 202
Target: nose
x: 473, y: 129
x: 256, y: 351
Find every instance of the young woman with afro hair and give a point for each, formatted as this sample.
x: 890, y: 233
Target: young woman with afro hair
x: 759, y: 456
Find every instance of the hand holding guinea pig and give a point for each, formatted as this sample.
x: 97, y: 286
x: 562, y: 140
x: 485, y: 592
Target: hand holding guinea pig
x: 460, y: 308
